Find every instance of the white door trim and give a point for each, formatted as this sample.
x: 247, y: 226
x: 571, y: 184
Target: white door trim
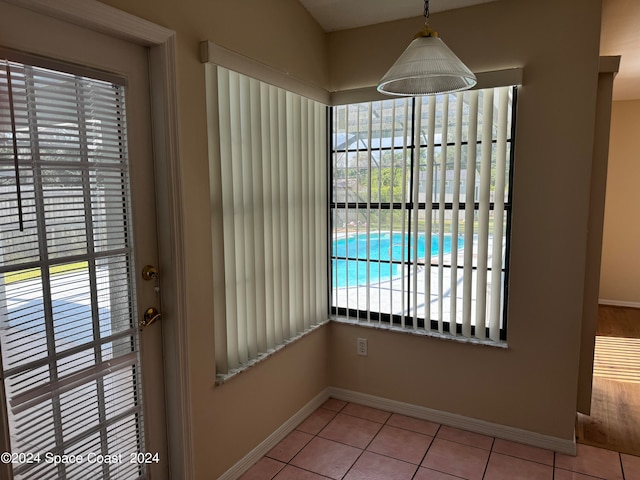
x: 161, y: 41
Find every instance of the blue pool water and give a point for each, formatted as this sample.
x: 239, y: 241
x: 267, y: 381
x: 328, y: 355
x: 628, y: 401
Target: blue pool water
x: 383, y: 247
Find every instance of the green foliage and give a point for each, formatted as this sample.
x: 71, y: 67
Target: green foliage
x: 386, y: 181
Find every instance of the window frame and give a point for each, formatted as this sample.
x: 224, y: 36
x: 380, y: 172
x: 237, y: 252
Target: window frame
x: 395, y: 320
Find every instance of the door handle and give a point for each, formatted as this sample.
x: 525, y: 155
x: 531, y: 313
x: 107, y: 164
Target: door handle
x: 150, y: 315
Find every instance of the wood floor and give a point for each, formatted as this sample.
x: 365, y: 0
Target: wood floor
x: 614, y: 422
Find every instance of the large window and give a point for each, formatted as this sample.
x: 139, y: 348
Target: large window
x: 420, y: 212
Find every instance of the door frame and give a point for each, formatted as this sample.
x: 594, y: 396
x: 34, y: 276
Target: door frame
x: 161, y: 43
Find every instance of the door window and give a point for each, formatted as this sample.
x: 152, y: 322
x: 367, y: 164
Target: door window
x: 69, y: 340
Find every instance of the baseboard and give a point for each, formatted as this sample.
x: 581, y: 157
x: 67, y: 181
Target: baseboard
x: 471, y: 424
x: 618, y: 303
x: 272, y: 440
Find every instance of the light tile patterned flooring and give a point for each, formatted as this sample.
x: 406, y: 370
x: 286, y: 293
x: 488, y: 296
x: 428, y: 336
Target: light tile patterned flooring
x: 347, y: 441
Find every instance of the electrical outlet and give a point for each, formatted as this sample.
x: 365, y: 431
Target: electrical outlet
x: 362, y: 347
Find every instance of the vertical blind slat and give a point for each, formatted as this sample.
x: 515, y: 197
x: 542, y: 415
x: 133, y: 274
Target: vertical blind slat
x: 267, y: 253
x: 455, y: 212
x: 428, y: 221
x: 220, y: 105
x: 284, y: 213
x: 295, y: 201
x: 238, y: 276
x: 403, y: 211
x: 392, y: 199
x: 368, y: 211
x: 347, y: 199
x: 274, y: 189
x: 307, y: 215
x: 469, y: 214
x: 258, y: 219
x: 250, y: 212
x: 498, y: 215
x: 441, y: 209
x: 483, y: 213
x: 416, y: 206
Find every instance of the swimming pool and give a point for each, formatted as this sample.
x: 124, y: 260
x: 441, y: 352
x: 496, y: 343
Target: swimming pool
x: 383, y: 248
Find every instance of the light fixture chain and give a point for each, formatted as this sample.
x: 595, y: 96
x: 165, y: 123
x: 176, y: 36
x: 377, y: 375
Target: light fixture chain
x: 426, y: 11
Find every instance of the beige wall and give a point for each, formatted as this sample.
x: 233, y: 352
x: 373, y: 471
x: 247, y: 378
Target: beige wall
x: 620, y: 272
x: 230, y: 420
x: 533, y: 384
x: 594, y: 239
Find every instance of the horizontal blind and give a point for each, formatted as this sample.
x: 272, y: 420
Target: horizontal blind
x: 420, y: 211
x: 272, y: 164
x: 69, y: 345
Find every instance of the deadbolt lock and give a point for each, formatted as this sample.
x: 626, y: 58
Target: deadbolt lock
x: 149, y: 272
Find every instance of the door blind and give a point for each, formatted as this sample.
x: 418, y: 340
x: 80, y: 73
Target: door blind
x: 69, y: 344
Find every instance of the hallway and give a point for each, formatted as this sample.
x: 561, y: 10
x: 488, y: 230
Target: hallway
x: 614, y: 422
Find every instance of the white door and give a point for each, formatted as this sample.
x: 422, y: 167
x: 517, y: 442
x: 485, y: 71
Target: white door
x: 82, y: 382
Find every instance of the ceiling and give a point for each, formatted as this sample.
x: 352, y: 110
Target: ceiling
x: 335, y: 15
x: 620, y: 34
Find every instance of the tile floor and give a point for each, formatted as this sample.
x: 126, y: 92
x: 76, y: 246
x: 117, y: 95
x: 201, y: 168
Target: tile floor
x: 347, y: 441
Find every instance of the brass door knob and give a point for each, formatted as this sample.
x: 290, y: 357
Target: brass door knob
x: 149, y: 272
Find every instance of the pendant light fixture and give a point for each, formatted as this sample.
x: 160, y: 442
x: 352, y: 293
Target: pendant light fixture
x: 426, y: 67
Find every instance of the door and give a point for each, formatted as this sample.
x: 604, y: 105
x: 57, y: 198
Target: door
x: 82, y: 382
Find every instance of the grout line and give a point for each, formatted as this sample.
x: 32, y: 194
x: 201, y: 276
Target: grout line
x: 419, y: 465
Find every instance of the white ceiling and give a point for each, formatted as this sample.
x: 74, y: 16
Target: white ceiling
x: 620, y: 33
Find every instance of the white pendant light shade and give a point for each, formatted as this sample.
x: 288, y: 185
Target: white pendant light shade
x: 426, y: 67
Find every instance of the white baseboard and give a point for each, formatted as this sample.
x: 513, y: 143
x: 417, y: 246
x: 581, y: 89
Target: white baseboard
x: 618, y: 303
x: 450, y: 419
x: 272, y: 440
x: 471, y: 424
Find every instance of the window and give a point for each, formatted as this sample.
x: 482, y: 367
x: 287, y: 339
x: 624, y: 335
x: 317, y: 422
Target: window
x: 69, y: 342
x: 270, y: 152
x: 421, y: 212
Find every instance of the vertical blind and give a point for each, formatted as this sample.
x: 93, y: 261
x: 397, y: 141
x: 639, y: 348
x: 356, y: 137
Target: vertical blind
x: 420, y: 207
x: 70, y: 366
x: 272, y: 154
